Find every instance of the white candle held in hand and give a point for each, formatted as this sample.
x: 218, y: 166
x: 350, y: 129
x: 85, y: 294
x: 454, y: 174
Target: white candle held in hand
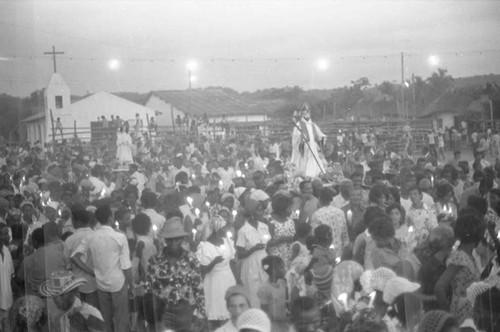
x: 155, y: 228
x: 189, y: 201
x: 194, y: 234
x: 229, y: 235
x: 410, y: 229
x: 343, y: 299
x: 372, y: 299
x: 349, y: 215
x: 197, y: 212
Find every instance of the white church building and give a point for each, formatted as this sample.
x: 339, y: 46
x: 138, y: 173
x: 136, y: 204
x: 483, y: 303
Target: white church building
x: 42, y: 126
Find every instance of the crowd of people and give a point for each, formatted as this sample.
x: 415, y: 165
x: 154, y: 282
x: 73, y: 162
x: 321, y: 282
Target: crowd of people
x: 201, y: 235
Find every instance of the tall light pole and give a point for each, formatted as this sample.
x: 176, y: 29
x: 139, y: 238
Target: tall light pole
x: 191, y: 67
x: 403, y: 84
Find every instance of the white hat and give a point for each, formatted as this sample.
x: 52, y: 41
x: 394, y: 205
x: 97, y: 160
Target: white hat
x: 397, y: 286
x: 254, y: 319
x: 380, y: 277
x: 60, y: 282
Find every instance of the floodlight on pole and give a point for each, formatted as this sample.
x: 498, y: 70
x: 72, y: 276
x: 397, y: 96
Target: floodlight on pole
x: 322, y: 64
x: 192, y: 65
x: 114, y: 64
x: 433, y: 60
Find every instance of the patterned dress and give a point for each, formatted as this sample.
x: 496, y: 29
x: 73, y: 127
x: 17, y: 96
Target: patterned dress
x: 335, y: 219
x: 283, y: 250
x: 460, y: 307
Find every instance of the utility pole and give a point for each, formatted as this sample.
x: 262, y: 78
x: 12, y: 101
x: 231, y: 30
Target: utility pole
x: 403, y: 84
x: 413, y: 91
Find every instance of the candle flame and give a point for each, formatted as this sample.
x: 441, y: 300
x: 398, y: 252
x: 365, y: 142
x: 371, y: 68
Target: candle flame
x: 229, y: 235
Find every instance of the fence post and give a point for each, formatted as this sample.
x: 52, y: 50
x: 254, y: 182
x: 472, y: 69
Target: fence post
x: 74, y: 129
x: 53, y: 130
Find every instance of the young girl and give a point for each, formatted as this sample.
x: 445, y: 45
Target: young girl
x: 299, y: 247
x: 273, y: 294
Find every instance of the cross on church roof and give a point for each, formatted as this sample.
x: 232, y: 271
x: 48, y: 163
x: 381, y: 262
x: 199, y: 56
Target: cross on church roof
x: 53, y: 53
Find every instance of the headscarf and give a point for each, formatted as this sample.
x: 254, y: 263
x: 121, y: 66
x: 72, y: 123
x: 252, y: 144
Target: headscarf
x: 216, y: 224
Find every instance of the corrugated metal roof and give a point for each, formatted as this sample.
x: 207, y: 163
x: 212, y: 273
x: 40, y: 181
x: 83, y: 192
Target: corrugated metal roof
x: 456, y: 102
x: 215, y: 102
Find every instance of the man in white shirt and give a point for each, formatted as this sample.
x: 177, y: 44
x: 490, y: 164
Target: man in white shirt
x: 149, y: 202
x: 110, y: 256
x: 138, y: 176
x: 88, y: 291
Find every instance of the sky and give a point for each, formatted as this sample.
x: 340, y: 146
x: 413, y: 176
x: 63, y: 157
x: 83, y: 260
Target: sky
x: 243, y: 45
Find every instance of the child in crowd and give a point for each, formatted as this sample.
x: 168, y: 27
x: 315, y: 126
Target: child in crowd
x: 273, y: 294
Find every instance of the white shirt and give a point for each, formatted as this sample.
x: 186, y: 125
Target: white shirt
x: 157, y: 220
x: 6, y: 273
x: 70, y: 246
x: 110, y: 255
x: 141, y: 181
x: 98, y: 187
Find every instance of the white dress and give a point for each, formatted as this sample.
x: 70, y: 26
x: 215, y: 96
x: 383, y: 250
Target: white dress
x: 252, y: 273
x: 217, y: 281
x: 124, y: 148
x: 310, y: 164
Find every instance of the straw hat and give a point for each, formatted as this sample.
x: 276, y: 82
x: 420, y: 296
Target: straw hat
x: 60, y: 282
x: 172, y: 229
x: 397, y: 286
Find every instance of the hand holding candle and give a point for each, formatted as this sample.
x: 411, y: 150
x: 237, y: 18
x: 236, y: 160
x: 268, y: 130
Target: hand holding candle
x: 343, y: 299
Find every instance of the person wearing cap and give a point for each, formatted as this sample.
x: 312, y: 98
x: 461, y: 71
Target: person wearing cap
x: 174, y: 279
x: 253, y: 320
x: 237, y: 301
x: 111, y: 267
x: 77, y: 315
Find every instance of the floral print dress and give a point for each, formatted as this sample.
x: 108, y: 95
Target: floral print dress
x: 283, y: 250
x: 460, y: 307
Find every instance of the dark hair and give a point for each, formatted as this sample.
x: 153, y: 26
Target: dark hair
x: 130, y: 189
x: 381, y: 227
x: 38, y: 236
x: 326, y: 195
x: 495, y: 191
x: 478, y: 203
x: 81, y: 216
x: 469, y: 228
x: 302, y: 304
x: 477, y: 176
x: 321, y: 232
x: 174, y: 213
x: 149, y: 200
x: 415, y: 188
x: 103, y: 213
x: 372, y: 213
x: 401, y: 209
x: 51, y: 229
x: 377, y: 191
x: 280, y: 204
x: 66, y: 235
x: 356, y: 175
x: 121, y: 213
x: 141, y: 224
x: 394, y: 192
x: 311, y: 242
x: 442, y: 189
x: 270, y: 263
x: 302, y: 229
x: 303, y: 184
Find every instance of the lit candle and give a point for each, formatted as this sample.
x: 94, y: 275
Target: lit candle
x: 297, y: 213
x: 343, y: 299
x: 337, y: 260
x: 372, y: 299
x: 410, y: 229
x: 189, y: 201
x: 103, y: 193
x: 266, y: 237
x: 59, y: 212
x: 238, y: 173
x: 207, y: 204
x: 432, y: 180
x: 332, y: 246
x: 498, y: 235
x: 155, y: 228
x: 349, y: 215
x: 243, y: 175
x: 229, y: 235
x: 117, y: 224
x: 234, y: 213
x: 246, y: 165
x: 193, y: 176
x: 194, y: 234
x: 222, y: 247
x: 197, y: 212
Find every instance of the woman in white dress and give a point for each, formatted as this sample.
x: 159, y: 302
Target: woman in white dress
x: 124, y: 147
x: 250, y: 248
x: 214, y: 256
